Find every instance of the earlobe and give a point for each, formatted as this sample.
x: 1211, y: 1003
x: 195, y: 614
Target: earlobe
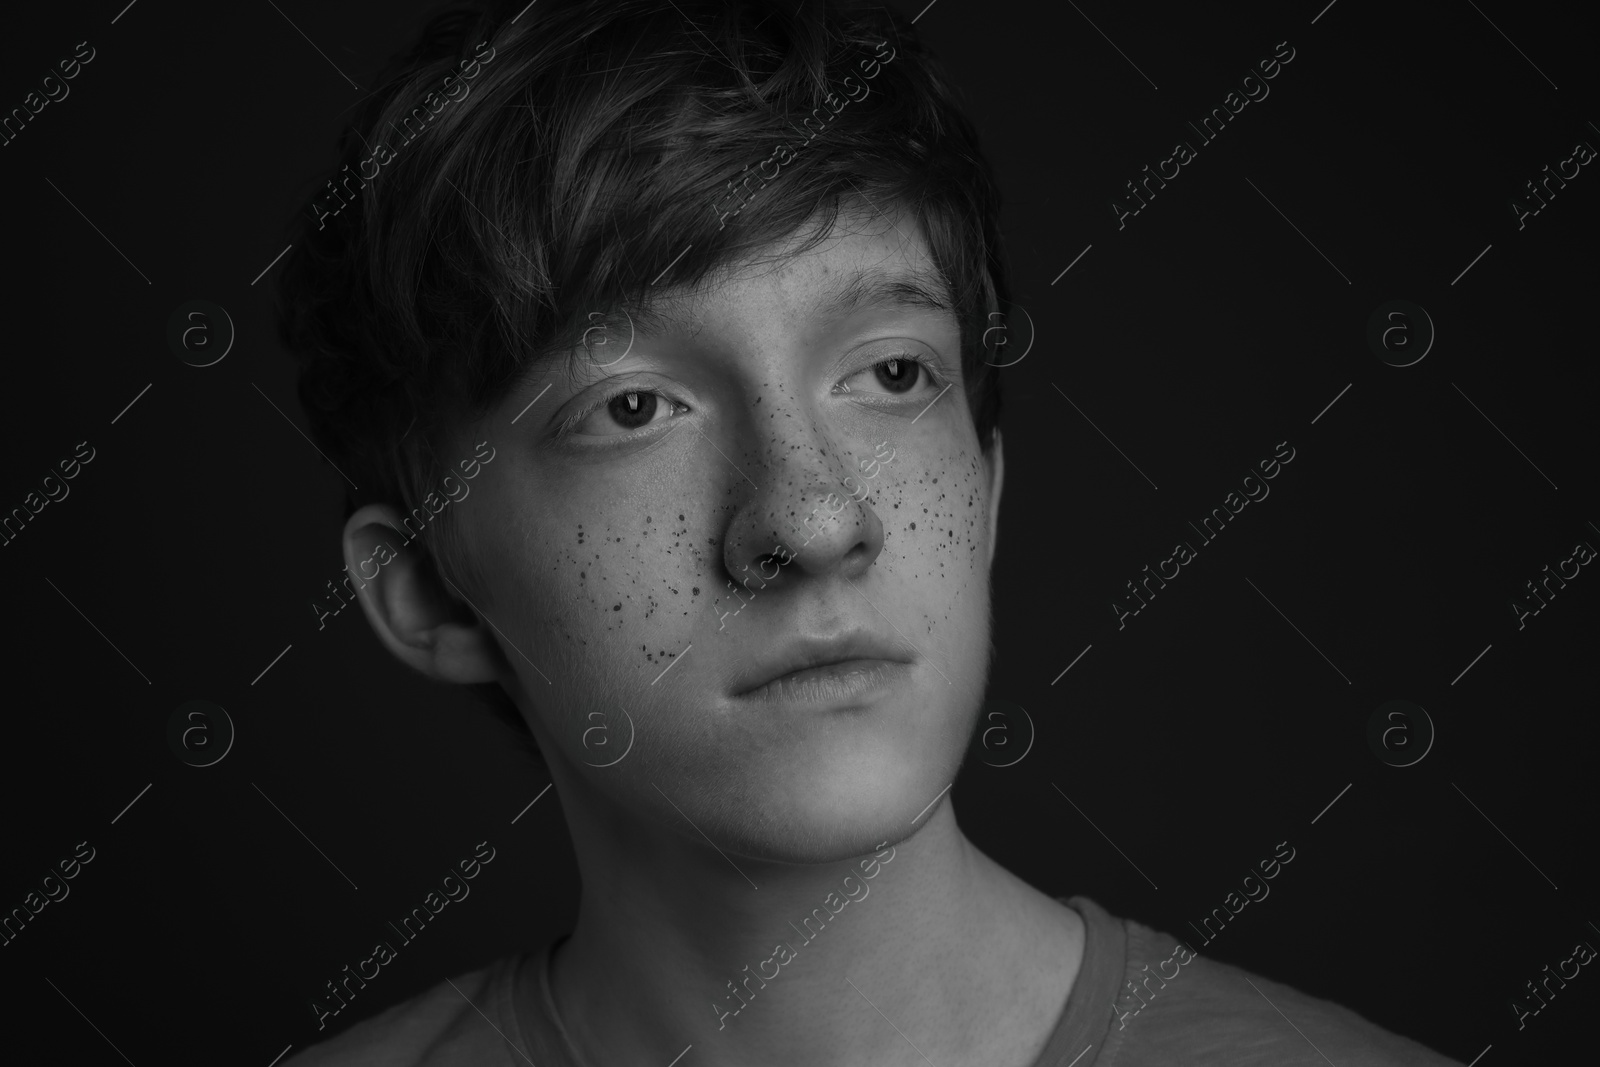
x: 414, y: 612
x: 995, y: 460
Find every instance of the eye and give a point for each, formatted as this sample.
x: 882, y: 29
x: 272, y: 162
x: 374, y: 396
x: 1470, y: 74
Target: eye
x: 621, y: 413
x: 898, y: 375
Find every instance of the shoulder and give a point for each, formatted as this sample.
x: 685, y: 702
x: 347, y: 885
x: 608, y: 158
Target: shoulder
x: 458, y: 1021
x: 1176, y: 1005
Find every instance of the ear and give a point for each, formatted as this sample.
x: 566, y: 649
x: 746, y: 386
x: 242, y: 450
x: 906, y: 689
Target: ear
x: 417, y: 615
x: 995, y: 463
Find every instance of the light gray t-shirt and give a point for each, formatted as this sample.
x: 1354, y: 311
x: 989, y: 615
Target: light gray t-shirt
x: 1141, y: 999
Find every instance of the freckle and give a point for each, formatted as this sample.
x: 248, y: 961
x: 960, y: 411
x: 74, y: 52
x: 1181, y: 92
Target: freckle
x: 695, y: 591
x: 617, y: 607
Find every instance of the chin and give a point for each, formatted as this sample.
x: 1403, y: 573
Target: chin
x: 846, y: 797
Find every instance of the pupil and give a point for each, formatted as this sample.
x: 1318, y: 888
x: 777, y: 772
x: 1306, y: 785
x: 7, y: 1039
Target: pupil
x: 899, y: 375
x: 633, y: 410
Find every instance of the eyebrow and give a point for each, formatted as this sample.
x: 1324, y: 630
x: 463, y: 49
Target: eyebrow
x: 875, y: 287
x: 868, y: 287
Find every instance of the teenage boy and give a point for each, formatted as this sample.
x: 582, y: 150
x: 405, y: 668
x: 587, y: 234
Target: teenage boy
x: 711, y: 280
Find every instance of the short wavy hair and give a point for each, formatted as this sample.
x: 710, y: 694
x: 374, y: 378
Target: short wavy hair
x: 558, y: 160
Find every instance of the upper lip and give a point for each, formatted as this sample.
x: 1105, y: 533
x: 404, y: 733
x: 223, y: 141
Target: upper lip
x: 816, y: 652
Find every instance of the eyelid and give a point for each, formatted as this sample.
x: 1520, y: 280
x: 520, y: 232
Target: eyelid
x: 931, y: 364
x: 568, y: 426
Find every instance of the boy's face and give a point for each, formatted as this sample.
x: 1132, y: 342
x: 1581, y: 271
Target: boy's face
x: 779, y: 432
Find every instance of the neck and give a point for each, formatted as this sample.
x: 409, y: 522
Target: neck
x: 926, y: 945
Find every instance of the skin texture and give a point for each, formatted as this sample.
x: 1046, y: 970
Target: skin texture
x: 607, y: 552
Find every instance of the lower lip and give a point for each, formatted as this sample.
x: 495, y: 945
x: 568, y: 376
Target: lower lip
x: 852, y: 681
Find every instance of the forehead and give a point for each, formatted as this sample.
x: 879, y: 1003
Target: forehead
x: 866, y: 261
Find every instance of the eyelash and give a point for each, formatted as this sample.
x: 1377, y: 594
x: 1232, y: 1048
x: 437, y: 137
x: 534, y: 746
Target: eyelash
x: 569, y: 425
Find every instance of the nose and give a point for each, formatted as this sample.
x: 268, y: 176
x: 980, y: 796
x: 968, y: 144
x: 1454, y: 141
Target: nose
x: 801, y: 519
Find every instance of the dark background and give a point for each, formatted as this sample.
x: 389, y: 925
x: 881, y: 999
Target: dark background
x: 1196, y: 338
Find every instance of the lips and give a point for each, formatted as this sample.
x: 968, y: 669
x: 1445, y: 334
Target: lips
x: 859, y: 655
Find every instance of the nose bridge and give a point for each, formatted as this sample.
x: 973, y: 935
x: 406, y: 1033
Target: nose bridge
x: 799, y: 513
